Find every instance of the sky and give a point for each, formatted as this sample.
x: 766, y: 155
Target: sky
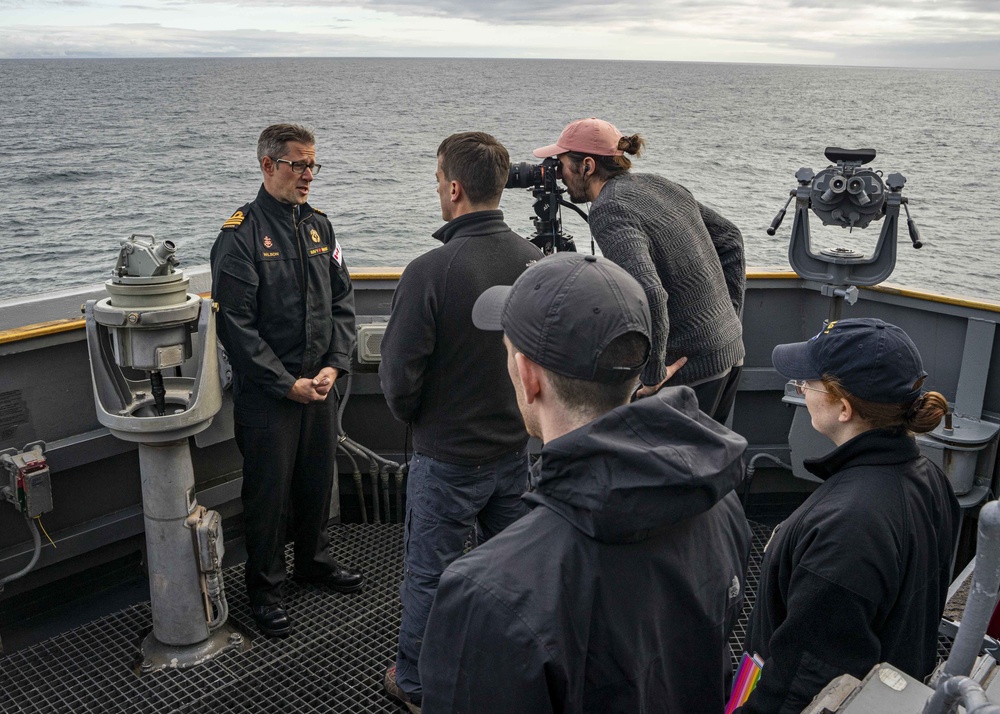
x: 952, y: 34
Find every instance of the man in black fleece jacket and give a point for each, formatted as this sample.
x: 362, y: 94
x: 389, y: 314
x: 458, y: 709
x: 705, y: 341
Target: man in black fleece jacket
x: 449, y: 382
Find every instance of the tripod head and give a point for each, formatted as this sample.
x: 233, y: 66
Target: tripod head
x: 542, y: 179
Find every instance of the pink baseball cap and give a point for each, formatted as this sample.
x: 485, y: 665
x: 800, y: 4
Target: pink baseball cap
x: 587, y: 136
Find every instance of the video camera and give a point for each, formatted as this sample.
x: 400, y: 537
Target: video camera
x: 543, y: 182
x: 543, y: 175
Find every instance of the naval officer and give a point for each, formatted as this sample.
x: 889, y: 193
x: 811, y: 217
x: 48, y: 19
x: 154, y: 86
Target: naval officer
x: 286, y: 319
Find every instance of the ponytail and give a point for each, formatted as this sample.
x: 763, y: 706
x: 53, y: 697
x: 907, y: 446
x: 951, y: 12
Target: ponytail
x: 607, y: 167
x: 925, y: 413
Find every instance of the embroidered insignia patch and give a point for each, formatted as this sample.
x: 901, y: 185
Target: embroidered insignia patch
x: 234, y: 221
x: 314, y: 235
x: 338, y: 254
x: 268, y: 242
x: 824, y: 331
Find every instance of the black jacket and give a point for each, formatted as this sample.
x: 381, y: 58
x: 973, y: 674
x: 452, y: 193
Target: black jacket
x: 857, y: 575
x: 617, y: 592
x: 286, y: 303
x: 440, y: 373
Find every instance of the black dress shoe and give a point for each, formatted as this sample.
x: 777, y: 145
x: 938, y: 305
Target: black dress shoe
x: 272, y: 619
x: 342, y: 580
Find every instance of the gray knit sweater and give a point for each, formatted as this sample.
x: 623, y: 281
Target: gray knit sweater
x: 688, y: 259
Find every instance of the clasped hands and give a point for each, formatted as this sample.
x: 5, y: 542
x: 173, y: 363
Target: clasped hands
x: 307, y: 390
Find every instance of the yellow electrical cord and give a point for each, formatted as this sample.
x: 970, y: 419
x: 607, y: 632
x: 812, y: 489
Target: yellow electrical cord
x: 39, y: 519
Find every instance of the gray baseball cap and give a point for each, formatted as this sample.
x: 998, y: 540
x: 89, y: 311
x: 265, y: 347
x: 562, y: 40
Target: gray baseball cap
x: 564, y: 310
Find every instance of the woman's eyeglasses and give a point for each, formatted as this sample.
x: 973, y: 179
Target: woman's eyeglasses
x: 800, y: 386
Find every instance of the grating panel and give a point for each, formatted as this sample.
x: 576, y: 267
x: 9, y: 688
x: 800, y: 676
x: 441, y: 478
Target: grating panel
x: 333, y: 661
x: 760, y: 534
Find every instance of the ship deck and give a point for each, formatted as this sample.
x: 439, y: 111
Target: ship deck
x: 334, y: 661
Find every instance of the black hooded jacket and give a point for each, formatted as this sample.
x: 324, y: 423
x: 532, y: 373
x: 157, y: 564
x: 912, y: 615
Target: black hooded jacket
x: 617, y: 592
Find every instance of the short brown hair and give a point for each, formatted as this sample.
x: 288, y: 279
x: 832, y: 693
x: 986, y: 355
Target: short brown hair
x: 274, y: 140
x: 478, y: 162
x: 592, y: 399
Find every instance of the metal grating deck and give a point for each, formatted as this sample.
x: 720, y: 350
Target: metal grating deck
x: 334, y: 660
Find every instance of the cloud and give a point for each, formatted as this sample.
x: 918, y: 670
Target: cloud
x: 155, y: 40
x: 924, y: 33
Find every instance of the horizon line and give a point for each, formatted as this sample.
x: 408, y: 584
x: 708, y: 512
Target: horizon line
x: 463, y: 57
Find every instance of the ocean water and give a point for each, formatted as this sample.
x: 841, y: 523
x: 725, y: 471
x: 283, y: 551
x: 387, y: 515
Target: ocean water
x: 95, y: 150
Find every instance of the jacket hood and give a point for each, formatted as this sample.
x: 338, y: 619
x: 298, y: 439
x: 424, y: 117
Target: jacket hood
x: 640, y: 468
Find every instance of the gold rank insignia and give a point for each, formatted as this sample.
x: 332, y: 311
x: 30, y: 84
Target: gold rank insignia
x: 314, y: 235
x: 233, y: 221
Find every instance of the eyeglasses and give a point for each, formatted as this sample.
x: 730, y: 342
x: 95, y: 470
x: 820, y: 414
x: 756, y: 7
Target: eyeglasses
x: 800, y: 386
x: 298, y: 167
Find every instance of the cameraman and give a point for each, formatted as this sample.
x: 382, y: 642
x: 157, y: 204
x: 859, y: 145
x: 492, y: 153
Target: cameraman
x: 688, y: 259
x: 449, y: 382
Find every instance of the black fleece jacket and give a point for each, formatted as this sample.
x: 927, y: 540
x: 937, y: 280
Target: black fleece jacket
x: 857, y: 575
x: 439, y: 373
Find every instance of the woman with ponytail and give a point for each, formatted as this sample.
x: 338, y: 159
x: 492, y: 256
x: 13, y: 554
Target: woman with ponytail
x: 858, y: 574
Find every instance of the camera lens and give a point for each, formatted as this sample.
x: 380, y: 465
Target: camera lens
x: 524, y: 175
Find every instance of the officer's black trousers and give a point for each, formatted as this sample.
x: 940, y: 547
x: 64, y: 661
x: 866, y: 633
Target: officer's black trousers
x: 288, y: 463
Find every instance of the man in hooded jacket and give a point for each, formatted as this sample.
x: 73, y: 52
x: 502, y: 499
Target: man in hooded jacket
x: 618, y: 591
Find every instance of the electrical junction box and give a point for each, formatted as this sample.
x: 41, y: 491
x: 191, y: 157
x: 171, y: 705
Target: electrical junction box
x: 30, y: 483
x: 370, y: 342
x: 884, y: 689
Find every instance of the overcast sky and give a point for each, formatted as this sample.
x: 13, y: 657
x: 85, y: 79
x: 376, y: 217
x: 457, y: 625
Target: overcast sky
x: 913, y: 33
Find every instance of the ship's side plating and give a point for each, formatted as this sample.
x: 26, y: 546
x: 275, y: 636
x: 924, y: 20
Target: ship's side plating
x: 46, y: 394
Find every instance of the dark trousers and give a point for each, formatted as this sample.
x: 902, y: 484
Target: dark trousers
x: 444, y: 503
x: 716, y: 397
x: 288, y: 463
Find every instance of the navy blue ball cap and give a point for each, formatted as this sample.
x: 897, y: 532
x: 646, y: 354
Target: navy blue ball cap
x: 564, y: 310
x: 871, y: 359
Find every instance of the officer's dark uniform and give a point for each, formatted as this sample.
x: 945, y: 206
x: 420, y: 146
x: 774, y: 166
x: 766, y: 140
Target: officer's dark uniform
x: 286, y: 310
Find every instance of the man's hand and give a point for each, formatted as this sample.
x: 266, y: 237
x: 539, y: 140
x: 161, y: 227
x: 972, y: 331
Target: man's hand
x: 672, y: 369
x: 305, y: 392
x: 323, y: 382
